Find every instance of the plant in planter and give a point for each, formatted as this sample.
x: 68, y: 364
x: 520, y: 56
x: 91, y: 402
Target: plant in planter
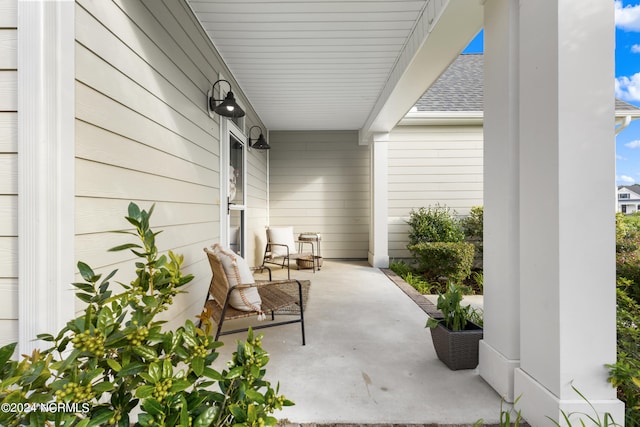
x: 455, y: 337
x: 114, y: 364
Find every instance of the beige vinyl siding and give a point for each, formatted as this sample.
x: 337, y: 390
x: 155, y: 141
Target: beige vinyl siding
x: 431, y: 165
x: 8, y: 173
x: 319, y: 181
x: 143, y: 134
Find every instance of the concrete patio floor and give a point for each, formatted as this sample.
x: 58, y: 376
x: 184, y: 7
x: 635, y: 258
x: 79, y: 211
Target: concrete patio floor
x: 368, y: 358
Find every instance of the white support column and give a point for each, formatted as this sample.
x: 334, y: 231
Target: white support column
x: 379, y: 227
x: 567, y: 229
x: 46, y: 141
x: 500, y: 349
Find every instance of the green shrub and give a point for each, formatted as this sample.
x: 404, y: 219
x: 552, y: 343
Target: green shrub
x: 115, y: 358
x: 434, y: 224
x: 437, y: 260
x: 473, y: 225
x: 628, y: 252
x: 478, y: 278
x: 628, y: 268
x: 625, y: 373
x: 409, y: 275
x: 401, y: 268
x: 419, y: 284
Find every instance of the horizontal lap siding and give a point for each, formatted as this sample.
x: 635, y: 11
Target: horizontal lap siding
x: 143, y: 134
x: 319, y: 181
x: 8, y: 173
x: 429, y: 166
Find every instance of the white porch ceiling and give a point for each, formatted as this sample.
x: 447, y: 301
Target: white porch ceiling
x: 318, y: 65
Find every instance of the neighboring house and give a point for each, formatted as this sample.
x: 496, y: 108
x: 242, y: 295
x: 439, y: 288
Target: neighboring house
x: 629, y: 198
x: 436, y: 150
x: 104, y: 102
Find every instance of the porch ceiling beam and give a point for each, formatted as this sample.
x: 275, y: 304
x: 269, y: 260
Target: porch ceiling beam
x: 441, y: 33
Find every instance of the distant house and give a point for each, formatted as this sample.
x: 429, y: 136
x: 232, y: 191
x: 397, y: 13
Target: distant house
x: 628, y: 198
x: 436, y: 151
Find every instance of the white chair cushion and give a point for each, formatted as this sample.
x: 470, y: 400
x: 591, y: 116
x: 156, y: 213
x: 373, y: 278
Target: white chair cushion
x: 282, y: 236
x: 238, y: 273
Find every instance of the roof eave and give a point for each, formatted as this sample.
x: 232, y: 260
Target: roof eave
x: 443, y: 118
x: 621, y: 114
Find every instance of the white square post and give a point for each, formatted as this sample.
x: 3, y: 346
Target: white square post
x: 500, y: 348
x: 567, y: 226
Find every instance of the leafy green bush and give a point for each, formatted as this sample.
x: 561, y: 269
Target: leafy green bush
x: 628, y: 252
x: 478, y: 278
x: 625, y: 373
x: 451, y: 260
x: 115, y: 358
x: 629, y: 269
x: 401, y: 268
x: 473, y: 226
x: 419, y: 284
x: 434, y: 224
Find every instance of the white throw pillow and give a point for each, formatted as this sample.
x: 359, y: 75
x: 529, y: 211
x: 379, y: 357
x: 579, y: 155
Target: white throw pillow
x: 283, y: 236
x: 238, y: 273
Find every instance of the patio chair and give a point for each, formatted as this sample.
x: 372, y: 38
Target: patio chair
x: 282, y: 247
x: 273, y: 298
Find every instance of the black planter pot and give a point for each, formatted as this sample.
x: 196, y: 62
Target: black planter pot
x: 458, y: 350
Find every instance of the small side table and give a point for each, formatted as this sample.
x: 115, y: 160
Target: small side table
x: 313, y: 238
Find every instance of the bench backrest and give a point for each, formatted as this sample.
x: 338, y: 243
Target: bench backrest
x: 219, y: 286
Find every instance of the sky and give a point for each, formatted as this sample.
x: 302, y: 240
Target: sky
x: 628, y: 88
x: 627, y: 85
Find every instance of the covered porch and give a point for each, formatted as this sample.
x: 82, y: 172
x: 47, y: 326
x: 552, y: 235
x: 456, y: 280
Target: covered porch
x: 368, y: 357
x: 112, y: 98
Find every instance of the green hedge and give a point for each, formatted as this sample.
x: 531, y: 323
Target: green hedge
x: 436, y: 260
x: 625, y: 373
x: 434, y: 224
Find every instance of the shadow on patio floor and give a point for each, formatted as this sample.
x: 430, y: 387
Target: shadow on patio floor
x: 368, y: 359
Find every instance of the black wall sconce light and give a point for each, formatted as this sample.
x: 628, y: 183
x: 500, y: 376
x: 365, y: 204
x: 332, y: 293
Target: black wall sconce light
x: 260, y: 143
x: 227, y: 107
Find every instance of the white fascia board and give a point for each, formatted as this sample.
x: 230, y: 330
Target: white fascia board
x: 442, y: 118
x: 466, y: 118
x: 442, y: 32
x: 628, y: 116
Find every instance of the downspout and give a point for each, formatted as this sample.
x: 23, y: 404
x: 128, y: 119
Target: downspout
x: 626, y: 122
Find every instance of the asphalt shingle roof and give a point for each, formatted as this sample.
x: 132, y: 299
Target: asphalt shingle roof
x: 623, y: 106
x: 633, y: 187
x: 460, y: 88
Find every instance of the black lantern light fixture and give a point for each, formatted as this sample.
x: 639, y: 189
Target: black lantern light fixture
x: 260, y: 143
x: 227, y: 107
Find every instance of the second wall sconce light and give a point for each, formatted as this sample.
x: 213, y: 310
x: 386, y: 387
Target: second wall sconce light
x: 227, y: 107
x: 260, y: 143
